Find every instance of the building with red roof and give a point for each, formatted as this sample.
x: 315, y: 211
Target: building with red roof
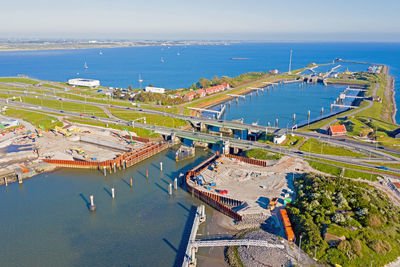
x: 337, y: 130
x: 189, y: 96
x: 201, y: 92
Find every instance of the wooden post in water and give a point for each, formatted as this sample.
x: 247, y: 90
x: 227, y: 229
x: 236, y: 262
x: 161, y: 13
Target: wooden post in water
x: 176, y: 183
x: 115, y: 167
x: 322, y: 111
x: 92, y: 206
x: 147, y: 174
x: 5, y: 181
x: 160, y: 166
x: 105, y: 171
x: 131, y: 183
x: 170, y: 189
x: 113, y: 192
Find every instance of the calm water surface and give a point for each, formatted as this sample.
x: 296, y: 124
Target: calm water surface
x: 46, y: 222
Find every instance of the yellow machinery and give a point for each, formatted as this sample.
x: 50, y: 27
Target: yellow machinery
x: 64, y: 132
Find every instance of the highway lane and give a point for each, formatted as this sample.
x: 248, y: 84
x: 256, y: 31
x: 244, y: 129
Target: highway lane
x: 244, y: 144
x: 341, y: 142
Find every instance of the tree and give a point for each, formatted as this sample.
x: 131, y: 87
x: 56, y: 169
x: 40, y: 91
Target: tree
x: 215, y: 80
x: 204, y: 82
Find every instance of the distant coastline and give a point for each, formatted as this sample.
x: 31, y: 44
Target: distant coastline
x: 54, y: 45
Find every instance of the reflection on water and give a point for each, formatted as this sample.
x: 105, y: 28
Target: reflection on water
x: 46, y: 222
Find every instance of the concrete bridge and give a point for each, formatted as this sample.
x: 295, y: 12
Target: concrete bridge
x: 235, y: 242
x: 189, y: 259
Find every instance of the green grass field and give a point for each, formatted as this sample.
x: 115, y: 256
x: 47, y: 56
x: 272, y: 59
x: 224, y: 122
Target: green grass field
x: 35, y: 118
x: 150, y: 118
x: 314, y: 146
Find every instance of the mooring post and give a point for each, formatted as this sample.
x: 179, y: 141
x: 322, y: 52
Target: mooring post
x: 170, y: 189
x: 113, y: 192
x: 176, y: 183
x: 92, y: 207
x: 322, y: 111
x: 123, y: 164
x: 5, y: 181
x: 19, y: 179
x: 131, y: 183
x: 105, y: 171
x: 147, y: 174
x: 160, y: 166
x: 115, y: 167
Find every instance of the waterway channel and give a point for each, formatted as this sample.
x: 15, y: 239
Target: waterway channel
x: 46, y: 221
x: 281, y: 102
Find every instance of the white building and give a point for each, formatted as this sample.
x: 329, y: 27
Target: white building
x: 279, y: 139
x: 84, y: 82
x: 155, y: 90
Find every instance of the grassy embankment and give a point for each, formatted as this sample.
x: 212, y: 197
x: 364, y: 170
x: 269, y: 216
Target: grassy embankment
x: 150, y: 118
x: 290, y: 142
x: 345, y: 222
x: 140, y: 132
x: 321, y: 165
x: 35, y: 118
x: 315, y: 146
x: 261, y: 154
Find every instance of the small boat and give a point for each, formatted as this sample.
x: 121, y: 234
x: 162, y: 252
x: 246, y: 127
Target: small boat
x: 85, y: 66
x: 178, y: 54
x: 100, y: 53
x: 162, y: 60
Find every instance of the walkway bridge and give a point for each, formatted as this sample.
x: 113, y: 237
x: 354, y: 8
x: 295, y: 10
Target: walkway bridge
x: 234, y: 242
x: 190, y: 260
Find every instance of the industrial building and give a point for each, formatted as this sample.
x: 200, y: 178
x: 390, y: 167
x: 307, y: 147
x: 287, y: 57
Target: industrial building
x: 150, y: 89
x: 84, y: 82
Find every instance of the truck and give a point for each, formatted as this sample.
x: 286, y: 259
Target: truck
x: 272, y: 203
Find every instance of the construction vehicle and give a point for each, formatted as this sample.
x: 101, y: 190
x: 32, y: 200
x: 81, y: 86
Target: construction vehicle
x: 272, y: 203
x: 64, y: 132
x: 40, y: 134
x: 130, y: 135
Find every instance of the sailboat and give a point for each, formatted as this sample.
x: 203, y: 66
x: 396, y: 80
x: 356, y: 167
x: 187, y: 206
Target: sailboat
x: 85, y: 66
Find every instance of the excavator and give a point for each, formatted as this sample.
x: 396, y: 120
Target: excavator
x: 64, y: 132
x: 132, y: 142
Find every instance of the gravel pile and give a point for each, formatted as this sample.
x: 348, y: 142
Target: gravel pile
x: 261, y: 256
x: 251, y: 221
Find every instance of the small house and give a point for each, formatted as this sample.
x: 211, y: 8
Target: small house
x: 337, y: 130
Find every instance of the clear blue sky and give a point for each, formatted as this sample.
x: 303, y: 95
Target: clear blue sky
x: 356, y: 20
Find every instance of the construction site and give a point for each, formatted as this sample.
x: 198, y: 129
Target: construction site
x: 259, y: 188
x: 26, y: 151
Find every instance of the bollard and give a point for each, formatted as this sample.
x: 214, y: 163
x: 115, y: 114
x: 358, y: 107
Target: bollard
x: 105, y: 171
x: 92, y: 206
x: 5, y: 181
x: 131, y: 183
x: 170, y: 189
x: 115, y: 167
x: 160, y: 166
x: 176, y: 183
x: 113, y: 192
x: 19, y: 180
x: 147, y: 174
x: 123, y: 164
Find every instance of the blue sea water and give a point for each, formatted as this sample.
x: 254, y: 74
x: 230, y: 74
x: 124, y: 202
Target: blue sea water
x: 120, y: 67
x: 46, y: 222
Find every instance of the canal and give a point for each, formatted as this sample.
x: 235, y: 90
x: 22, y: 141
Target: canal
x: 46, y: 221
